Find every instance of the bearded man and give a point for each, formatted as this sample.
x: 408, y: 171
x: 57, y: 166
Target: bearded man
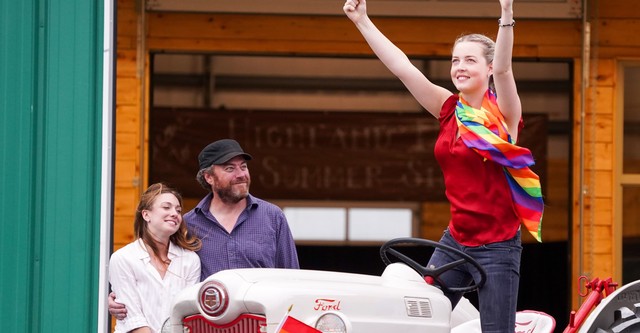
x: 237, y: 229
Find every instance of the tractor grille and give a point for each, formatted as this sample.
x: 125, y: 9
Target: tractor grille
x: 245, y: 323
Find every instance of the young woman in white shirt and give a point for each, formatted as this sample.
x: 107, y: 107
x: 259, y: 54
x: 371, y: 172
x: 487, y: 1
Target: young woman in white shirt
x: 147, y: 273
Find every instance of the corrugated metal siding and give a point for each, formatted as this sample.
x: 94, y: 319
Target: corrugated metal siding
x: 50, y: 100
x: 16, y: 142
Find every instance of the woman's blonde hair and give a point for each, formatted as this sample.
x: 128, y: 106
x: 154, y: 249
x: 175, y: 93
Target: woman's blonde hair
x: 487, y: 43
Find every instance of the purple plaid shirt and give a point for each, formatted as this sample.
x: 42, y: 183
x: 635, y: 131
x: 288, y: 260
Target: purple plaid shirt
x: 260, y: 238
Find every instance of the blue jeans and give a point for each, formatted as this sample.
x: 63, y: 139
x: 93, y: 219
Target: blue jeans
x: 499, y: 296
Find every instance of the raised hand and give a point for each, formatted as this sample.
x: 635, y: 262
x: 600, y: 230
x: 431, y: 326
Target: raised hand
x: 355, y: 9
x: 506, y: 4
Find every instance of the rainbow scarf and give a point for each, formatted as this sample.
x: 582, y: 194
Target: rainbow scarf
x: 485, y: 131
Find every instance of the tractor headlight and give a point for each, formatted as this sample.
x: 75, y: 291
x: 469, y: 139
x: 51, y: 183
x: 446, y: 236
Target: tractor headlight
x: 331, y: 323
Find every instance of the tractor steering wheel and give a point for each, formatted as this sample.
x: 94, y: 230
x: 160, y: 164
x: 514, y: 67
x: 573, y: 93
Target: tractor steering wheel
x: 433, y: 272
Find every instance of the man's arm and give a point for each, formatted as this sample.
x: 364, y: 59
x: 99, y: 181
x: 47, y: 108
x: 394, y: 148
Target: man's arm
x: 118, y: 310
x: 286, y: 253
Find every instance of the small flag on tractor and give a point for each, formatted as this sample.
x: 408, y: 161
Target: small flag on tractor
x: 289, y: 324
x: 293, y: 325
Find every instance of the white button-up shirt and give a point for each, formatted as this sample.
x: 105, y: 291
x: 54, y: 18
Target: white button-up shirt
x: 138, y: 284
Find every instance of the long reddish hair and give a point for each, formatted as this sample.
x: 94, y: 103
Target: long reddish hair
x: 180, y: 238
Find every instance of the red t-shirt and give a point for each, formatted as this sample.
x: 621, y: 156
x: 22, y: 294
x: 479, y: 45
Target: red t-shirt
x: 482, y: 209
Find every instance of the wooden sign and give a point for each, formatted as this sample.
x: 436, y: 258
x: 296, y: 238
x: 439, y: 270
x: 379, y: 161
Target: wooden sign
x: 315, y: 155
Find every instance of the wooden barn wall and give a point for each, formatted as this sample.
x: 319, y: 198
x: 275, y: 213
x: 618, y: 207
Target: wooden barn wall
x: 129, y: 122
x: 612, y: 27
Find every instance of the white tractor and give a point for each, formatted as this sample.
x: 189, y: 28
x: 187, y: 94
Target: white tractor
x: 256, y: 300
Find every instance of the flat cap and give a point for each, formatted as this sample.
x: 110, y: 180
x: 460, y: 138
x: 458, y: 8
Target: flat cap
x: 220, y: 152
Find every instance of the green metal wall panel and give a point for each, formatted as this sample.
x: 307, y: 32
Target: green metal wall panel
x: 50, y: 132
x: 16, y: 89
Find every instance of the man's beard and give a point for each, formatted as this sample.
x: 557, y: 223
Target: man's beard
x: 228, y: 195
